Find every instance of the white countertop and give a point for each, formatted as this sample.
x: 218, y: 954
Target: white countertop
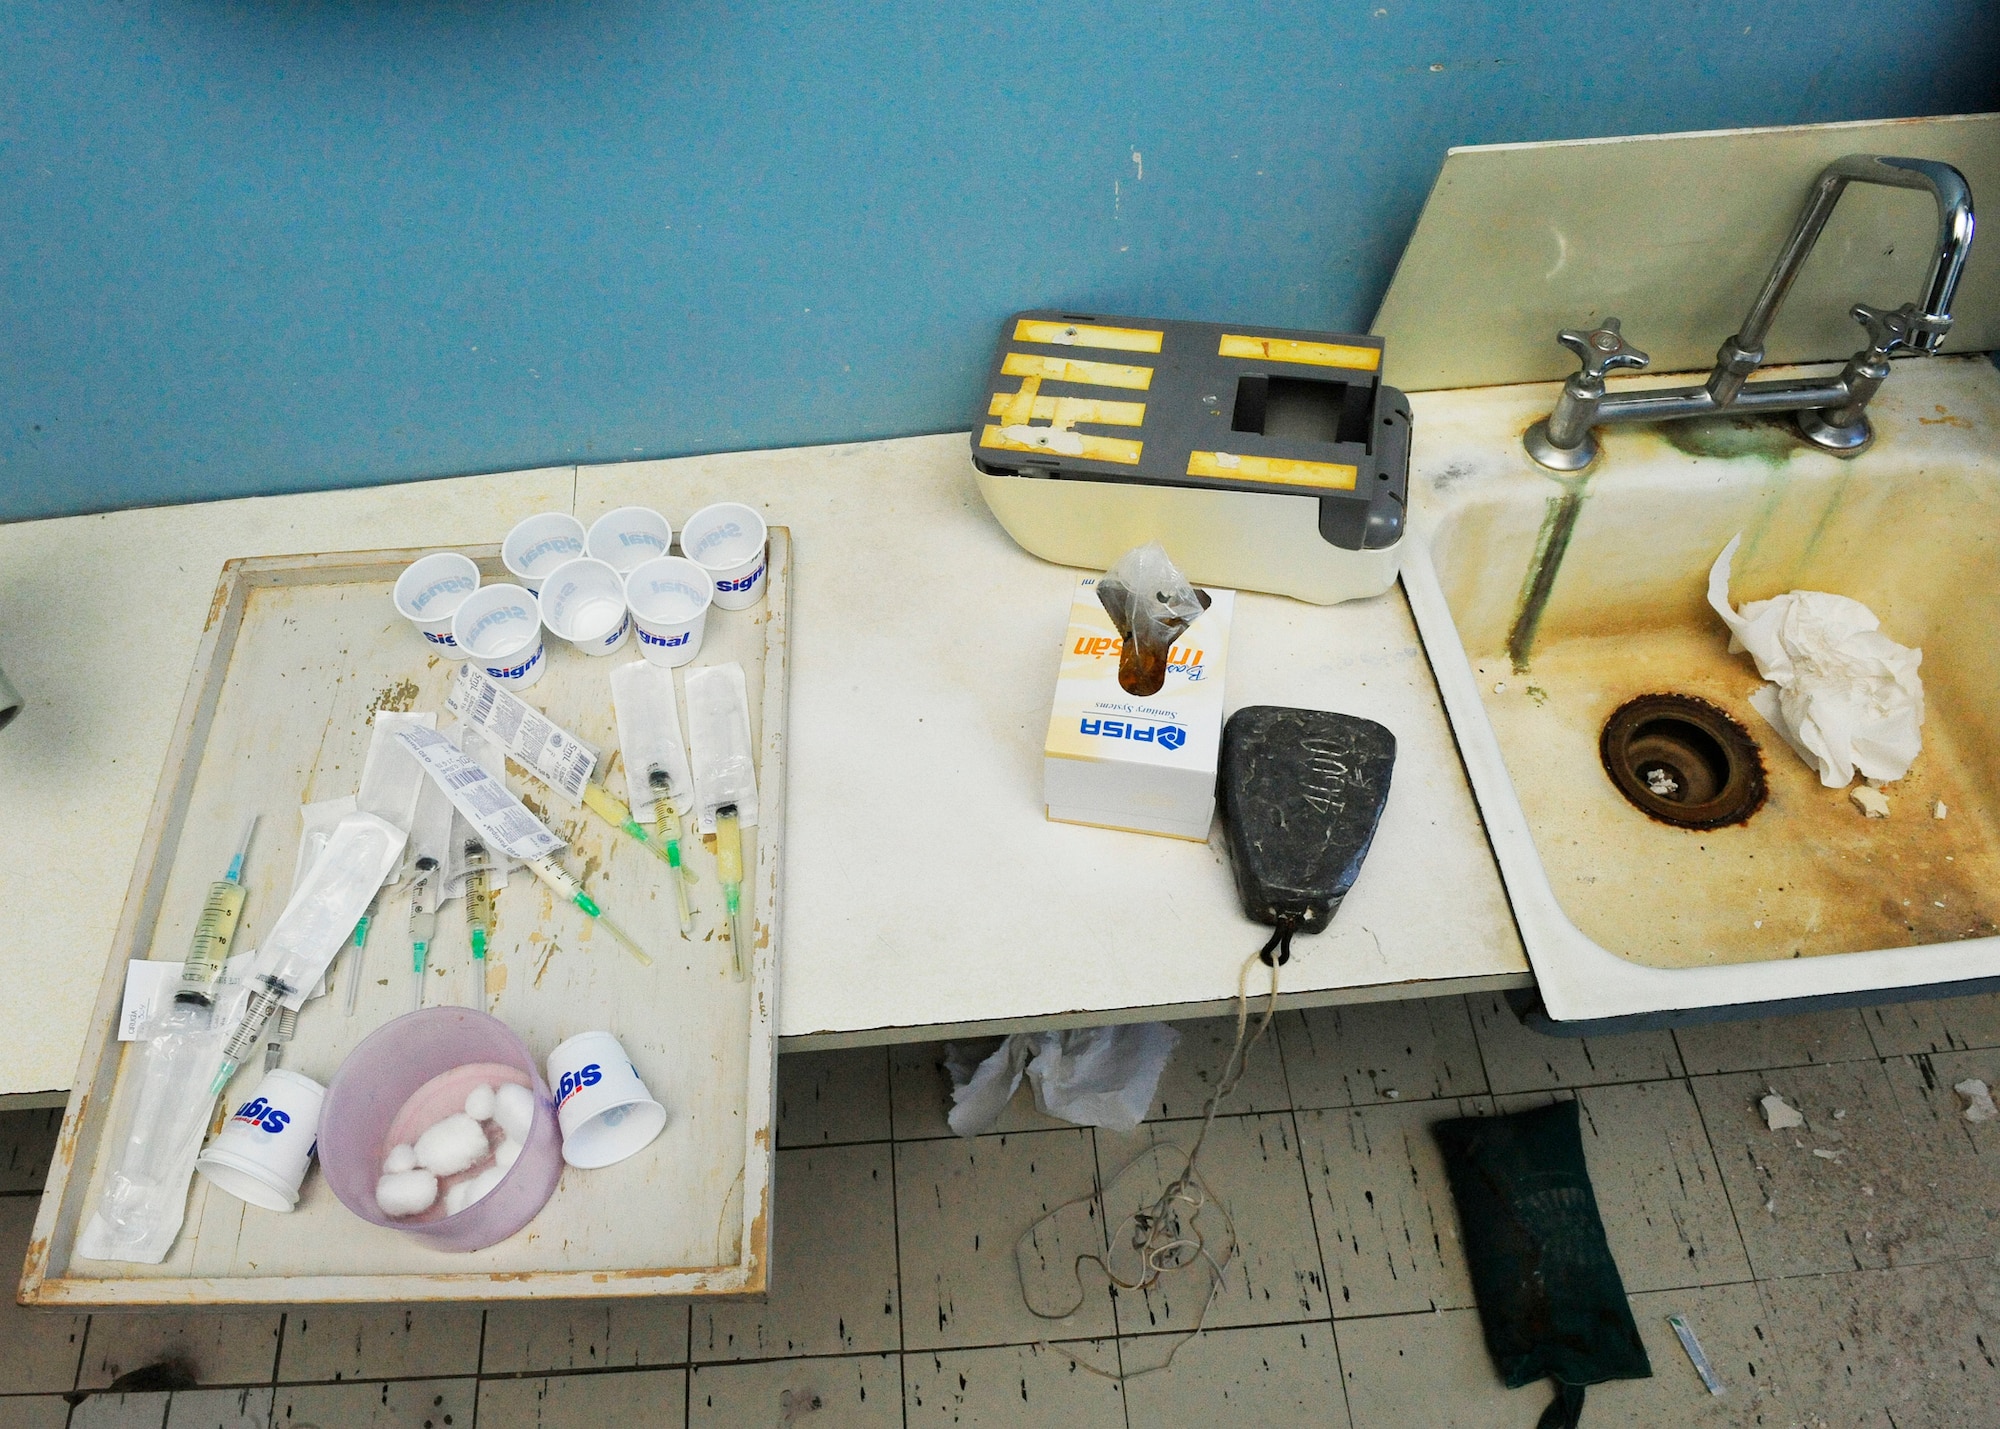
x: 924, y: 892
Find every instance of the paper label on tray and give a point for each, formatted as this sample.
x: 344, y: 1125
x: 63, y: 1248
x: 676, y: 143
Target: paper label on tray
x: 150, y: 986
x: 543, y: 747
x: 488, y: 805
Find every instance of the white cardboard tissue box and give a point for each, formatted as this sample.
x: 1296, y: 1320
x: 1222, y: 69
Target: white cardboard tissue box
x: 1122, y: 761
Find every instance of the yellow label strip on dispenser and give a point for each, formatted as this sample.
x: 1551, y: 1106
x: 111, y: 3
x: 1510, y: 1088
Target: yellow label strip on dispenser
x: 1066, y: 411
x: 1122, y: 339
x: 1065, y: 369
x: 1015, y: 409
x: 1060, y: 440
x: 1311, y: 354
x: 1230, y: 466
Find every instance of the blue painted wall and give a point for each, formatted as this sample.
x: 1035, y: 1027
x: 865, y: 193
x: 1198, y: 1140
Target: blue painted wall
x: 271, y: 245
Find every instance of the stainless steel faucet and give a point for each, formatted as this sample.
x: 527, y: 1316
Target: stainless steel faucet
x: 1832, y: 413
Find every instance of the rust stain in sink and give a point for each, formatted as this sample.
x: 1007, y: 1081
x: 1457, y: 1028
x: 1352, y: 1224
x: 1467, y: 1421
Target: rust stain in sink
x: 1808, y: 875
x: 1551, y: 544
x: 1773, y: 439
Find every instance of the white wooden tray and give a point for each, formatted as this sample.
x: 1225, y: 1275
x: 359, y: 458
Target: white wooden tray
x: 298, y: 654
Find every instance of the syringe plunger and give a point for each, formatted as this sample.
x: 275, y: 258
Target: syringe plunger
x: 266, y: 999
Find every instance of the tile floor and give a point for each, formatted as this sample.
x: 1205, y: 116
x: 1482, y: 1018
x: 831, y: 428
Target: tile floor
x: 1855, y: 1287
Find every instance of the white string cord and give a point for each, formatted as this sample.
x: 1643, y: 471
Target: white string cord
x: 1165, y: 1235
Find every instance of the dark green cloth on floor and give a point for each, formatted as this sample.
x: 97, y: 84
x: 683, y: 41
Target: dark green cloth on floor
x: 1550, y: 1298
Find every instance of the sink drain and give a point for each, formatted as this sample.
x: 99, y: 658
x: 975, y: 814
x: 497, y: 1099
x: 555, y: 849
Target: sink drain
x: 1683, y: 761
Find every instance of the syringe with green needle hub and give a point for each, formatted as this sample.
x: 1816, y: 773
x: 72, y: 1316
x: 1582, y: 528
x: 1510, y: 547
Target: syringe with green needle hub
x: 488, y: 805
x: 423, y: 918
x: 356, y: 949
x: 667, y: 835
x: 729, y: 869
x: 610, y: 808
x: 560, y: 879
x: 220, y: 913
x: 478, y: 908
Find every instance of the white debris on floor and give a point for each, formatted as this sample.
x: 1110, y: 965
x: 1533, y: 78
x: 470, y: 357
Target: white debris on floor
x: 1978, y: 1100
x: 1779, y: 1114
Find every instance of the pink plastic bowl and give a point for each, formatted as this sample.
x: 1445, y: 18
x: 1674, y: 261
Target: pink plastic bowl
x: 381, y: 1074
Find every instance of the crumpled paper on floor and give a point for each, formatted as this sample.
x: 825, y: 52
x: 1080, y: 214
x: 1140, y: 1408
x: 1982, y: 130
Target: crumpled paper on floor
x: 1843, y: 694
x: 1092, y: 1076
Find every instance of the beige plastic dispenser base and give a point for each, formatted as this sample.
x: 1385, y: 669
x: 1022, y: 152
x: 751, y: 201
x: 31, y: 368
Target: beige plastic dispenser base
x: 1242, y: 540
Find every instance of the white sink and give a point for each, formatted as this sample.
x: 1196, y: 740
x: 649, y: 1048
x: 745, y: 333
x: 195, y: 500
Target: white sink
x: 1535, y: 645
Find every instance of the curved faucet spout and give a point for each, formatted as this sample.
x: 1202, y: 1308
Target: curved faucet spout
x: 1954, y: 204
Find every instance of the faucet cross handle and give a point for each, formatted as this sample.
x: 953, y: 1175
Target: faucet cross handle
x: 1895, y: 329
x: 1603, y: 349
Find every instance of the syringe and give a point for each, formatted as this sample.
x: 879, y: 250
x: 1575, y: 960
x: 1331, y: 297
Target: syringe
x: 729, y: 869
x: 220, y: 913
x: 559, y: 878
x: 330, y: 900
x: 266, y: 998
x: 478, y: 908
x: 283, y: 1030
x: 667, y: 835
x: 423, y: 918
x: 609, y: 807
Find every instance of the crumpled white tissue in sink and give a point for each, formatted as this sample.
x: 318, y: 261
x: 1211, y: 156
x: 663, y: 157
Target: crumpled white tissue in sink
x: 1843, y: 694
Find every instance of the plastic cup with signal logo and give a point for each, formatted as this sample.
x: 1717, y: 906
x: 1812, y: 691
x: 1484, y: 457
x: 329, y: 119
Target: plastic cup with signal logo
x: 669, y: 599
x: 583, y: 602
x: 605, y: 1112
x: 267, y: 1143
x: 499, y: 629
x: 537, y: 545
x: 625, y: 537
x: 727, y: 541
x: 430, y: 591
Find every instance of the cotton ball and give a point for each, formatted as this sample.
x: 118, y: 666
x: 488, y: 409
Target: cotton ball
x: 514, y: 1109
x: 406, y: 1193
x: 479, y: 1105
x: 506, y: 1154
x: 478, y: 1186
x: 400, y: 1158
x: 452, y: 1145
x: 457, y: 1197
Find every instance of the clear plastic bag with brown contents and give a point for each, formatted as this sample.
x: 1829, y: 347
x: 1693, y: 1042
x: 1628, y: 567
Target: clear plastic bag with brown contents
x: 1152, y: 604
